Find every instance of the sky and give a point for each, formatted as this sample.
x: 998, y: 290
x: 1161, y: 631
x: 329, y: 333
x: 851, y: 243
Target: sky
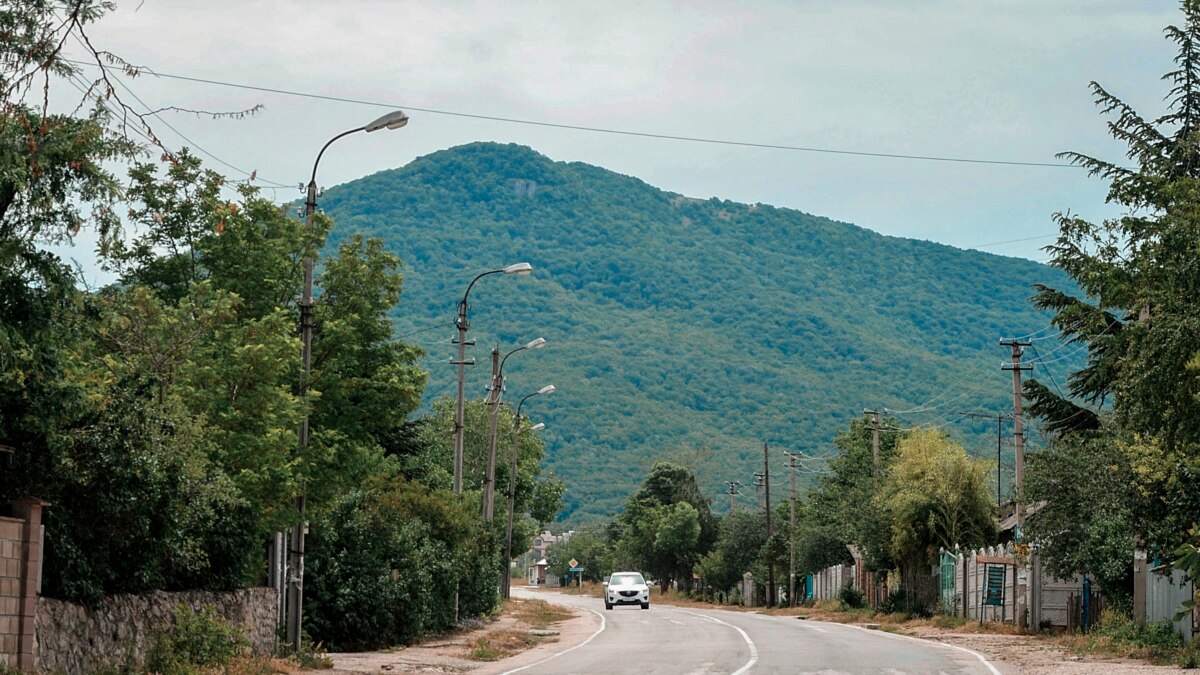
x: 1004, y: 80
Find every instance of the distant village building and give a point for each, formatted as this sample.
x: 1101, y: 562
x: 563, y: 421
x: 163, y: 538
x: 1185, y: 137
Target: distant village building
x: 545, y: 539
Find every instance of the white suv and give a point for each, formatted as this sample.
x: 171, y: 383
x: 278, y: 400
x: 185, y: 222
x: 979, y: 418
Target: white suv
x: 626, y: 588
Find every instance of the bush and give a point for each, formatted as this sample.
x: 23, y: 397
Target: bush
x: 197, y: 640
x: 1157, y: 640
x: 900, y: 602
x: 851, y: 597
x: 388, y: 563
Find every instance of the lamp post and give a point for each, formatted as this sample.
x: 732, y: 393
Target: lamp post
x: 489, y: 479
x: 512, y: 483
x: 462, y: 323
x: 295, y: 594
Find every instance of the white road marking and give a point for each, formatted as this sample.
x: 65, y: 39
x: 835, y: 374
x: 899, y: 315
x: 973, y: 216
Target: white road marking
x: 603, y: 625
x: 898, y: 636
x: 749, y: 643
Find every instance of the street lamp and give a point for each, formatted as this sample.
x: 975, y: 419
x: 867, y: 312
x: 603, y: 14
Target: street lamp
x: 462, y: 323
x: 295, y: 594
x: 489, y: 480
x: 512, y: 483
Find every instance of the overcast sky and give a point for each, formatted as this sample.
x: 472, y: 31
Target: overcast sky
x: 1000, y: 80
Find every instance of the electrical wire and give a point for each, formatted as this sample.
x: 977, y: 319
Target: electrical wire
x: 440, y: 324
x: 1015, y: 241
x: 150, y: 111
x: 1047, y: 371
x: 576, y: 127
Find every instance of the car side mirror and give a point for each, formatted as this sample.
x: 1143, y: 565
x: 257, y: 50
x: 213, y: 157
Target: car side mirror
x: 605, y: 584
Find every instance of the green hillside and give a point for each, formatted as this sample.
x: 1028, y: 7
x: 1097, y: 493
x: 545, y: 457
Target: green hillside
x: 679, y: 324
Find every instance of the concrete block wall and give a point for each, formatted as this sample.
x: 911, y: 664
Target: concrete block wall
x: 12, y: 556
x: 20, y: 566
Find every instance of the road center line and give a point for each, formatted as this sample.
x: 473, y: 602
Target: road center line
x: 981, y: 657
x: 603, y: 625
x: 749, y: 643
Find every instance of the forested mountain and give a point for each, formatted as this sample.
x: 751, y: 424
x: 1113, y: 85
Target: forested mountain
x: 686, y: 327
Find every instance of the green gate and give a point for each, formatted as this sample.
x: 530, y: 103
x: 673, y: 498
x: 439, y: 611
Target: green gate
x: 949, y: 567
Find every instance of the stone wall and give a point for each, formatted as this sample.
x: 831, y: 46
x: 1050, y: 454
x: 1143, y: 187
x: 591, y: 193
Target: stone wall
x: 75, y: 639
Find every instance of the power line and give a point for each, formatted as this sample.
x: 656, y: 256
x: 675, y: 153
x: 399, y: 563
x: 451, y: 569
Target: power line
x: 440, y: 324
x: 576, y: 127
x: 1014, y: 241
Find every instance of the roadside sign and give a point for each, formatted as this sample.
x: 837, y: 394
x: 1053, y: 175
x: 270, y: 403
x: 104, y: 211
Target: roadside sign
x: 573, y: 564
x: 993, y: 591
x: 576, y: 569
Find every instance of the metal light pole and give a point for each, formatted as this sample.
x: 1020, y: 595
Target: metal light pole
x: 295, y: 594
x: 489, y: 479
x: 462, y: 323
x: 512, y: 484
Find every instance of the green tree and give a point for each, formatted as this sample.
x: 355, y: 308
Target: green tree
x: 1137, y: 317
x: 935, y: 497
x: 429, y: 459
x: 393, y: 560
x: 737, y: 550
x: 666, y: 526
x: 835, y: 510
x: 1085, y: 524
x: 589, y: 547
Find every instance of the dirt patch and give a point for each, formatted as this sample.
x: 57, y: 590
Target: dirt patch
x: 523, y: 624
x: 1035, y: 655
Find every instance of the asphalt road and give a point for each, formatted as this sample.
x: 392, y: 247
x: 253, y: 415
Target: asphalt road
x: 680, y: 640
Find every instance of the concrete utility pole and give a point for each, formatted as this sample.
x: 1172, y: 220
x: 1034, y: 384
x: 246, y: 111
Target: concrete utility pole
x: 771, y: 563
x: 494, y: 397
x: 758, y: 486
x: 1023, y: 605
x: 462, y: 323
x: 874, y: 427
x: 295, y: 592
x: 1018, y: 423
x: 493, y: 400
x: 733, y: 486
x: 512, y: 484
x: 792, y: 533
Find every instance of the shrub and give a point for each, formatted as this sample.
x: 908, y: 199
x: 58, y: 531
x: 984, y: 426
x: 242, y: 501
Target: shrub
x: 851, y: 597
x: 197, y: 640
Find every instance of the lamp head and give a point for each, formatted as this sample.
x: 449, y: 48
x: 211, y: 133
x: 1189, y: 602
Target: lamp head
x: 548, y: 389
x: 538, y: 427
x: 392, y: 120
x: 518, y: 268
x: 535, y: 344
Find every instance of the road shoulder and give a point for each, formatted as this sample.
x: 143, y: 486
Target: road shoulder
x: 449, y: 653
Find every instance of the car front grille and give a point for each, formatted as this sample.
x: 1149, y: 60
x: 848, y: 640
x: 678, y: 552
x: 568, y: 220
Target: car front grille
x: 629, y: 594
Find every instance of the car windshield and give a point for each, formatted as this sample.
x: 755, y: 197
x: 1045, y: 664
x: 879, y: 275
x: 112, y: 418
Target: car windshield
x: 626, y: 580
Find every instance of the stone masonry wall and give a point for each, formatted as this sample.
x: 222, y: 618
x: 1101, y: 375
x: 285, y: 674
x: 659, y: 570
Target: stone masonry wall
x: 75, y: 639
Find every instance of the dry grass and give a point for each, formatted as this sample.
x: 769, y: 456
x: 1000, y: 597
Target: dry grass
x: 503, y: 643
x: 536, y: 613
x: 527, y: 629
x: 263, y: 666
